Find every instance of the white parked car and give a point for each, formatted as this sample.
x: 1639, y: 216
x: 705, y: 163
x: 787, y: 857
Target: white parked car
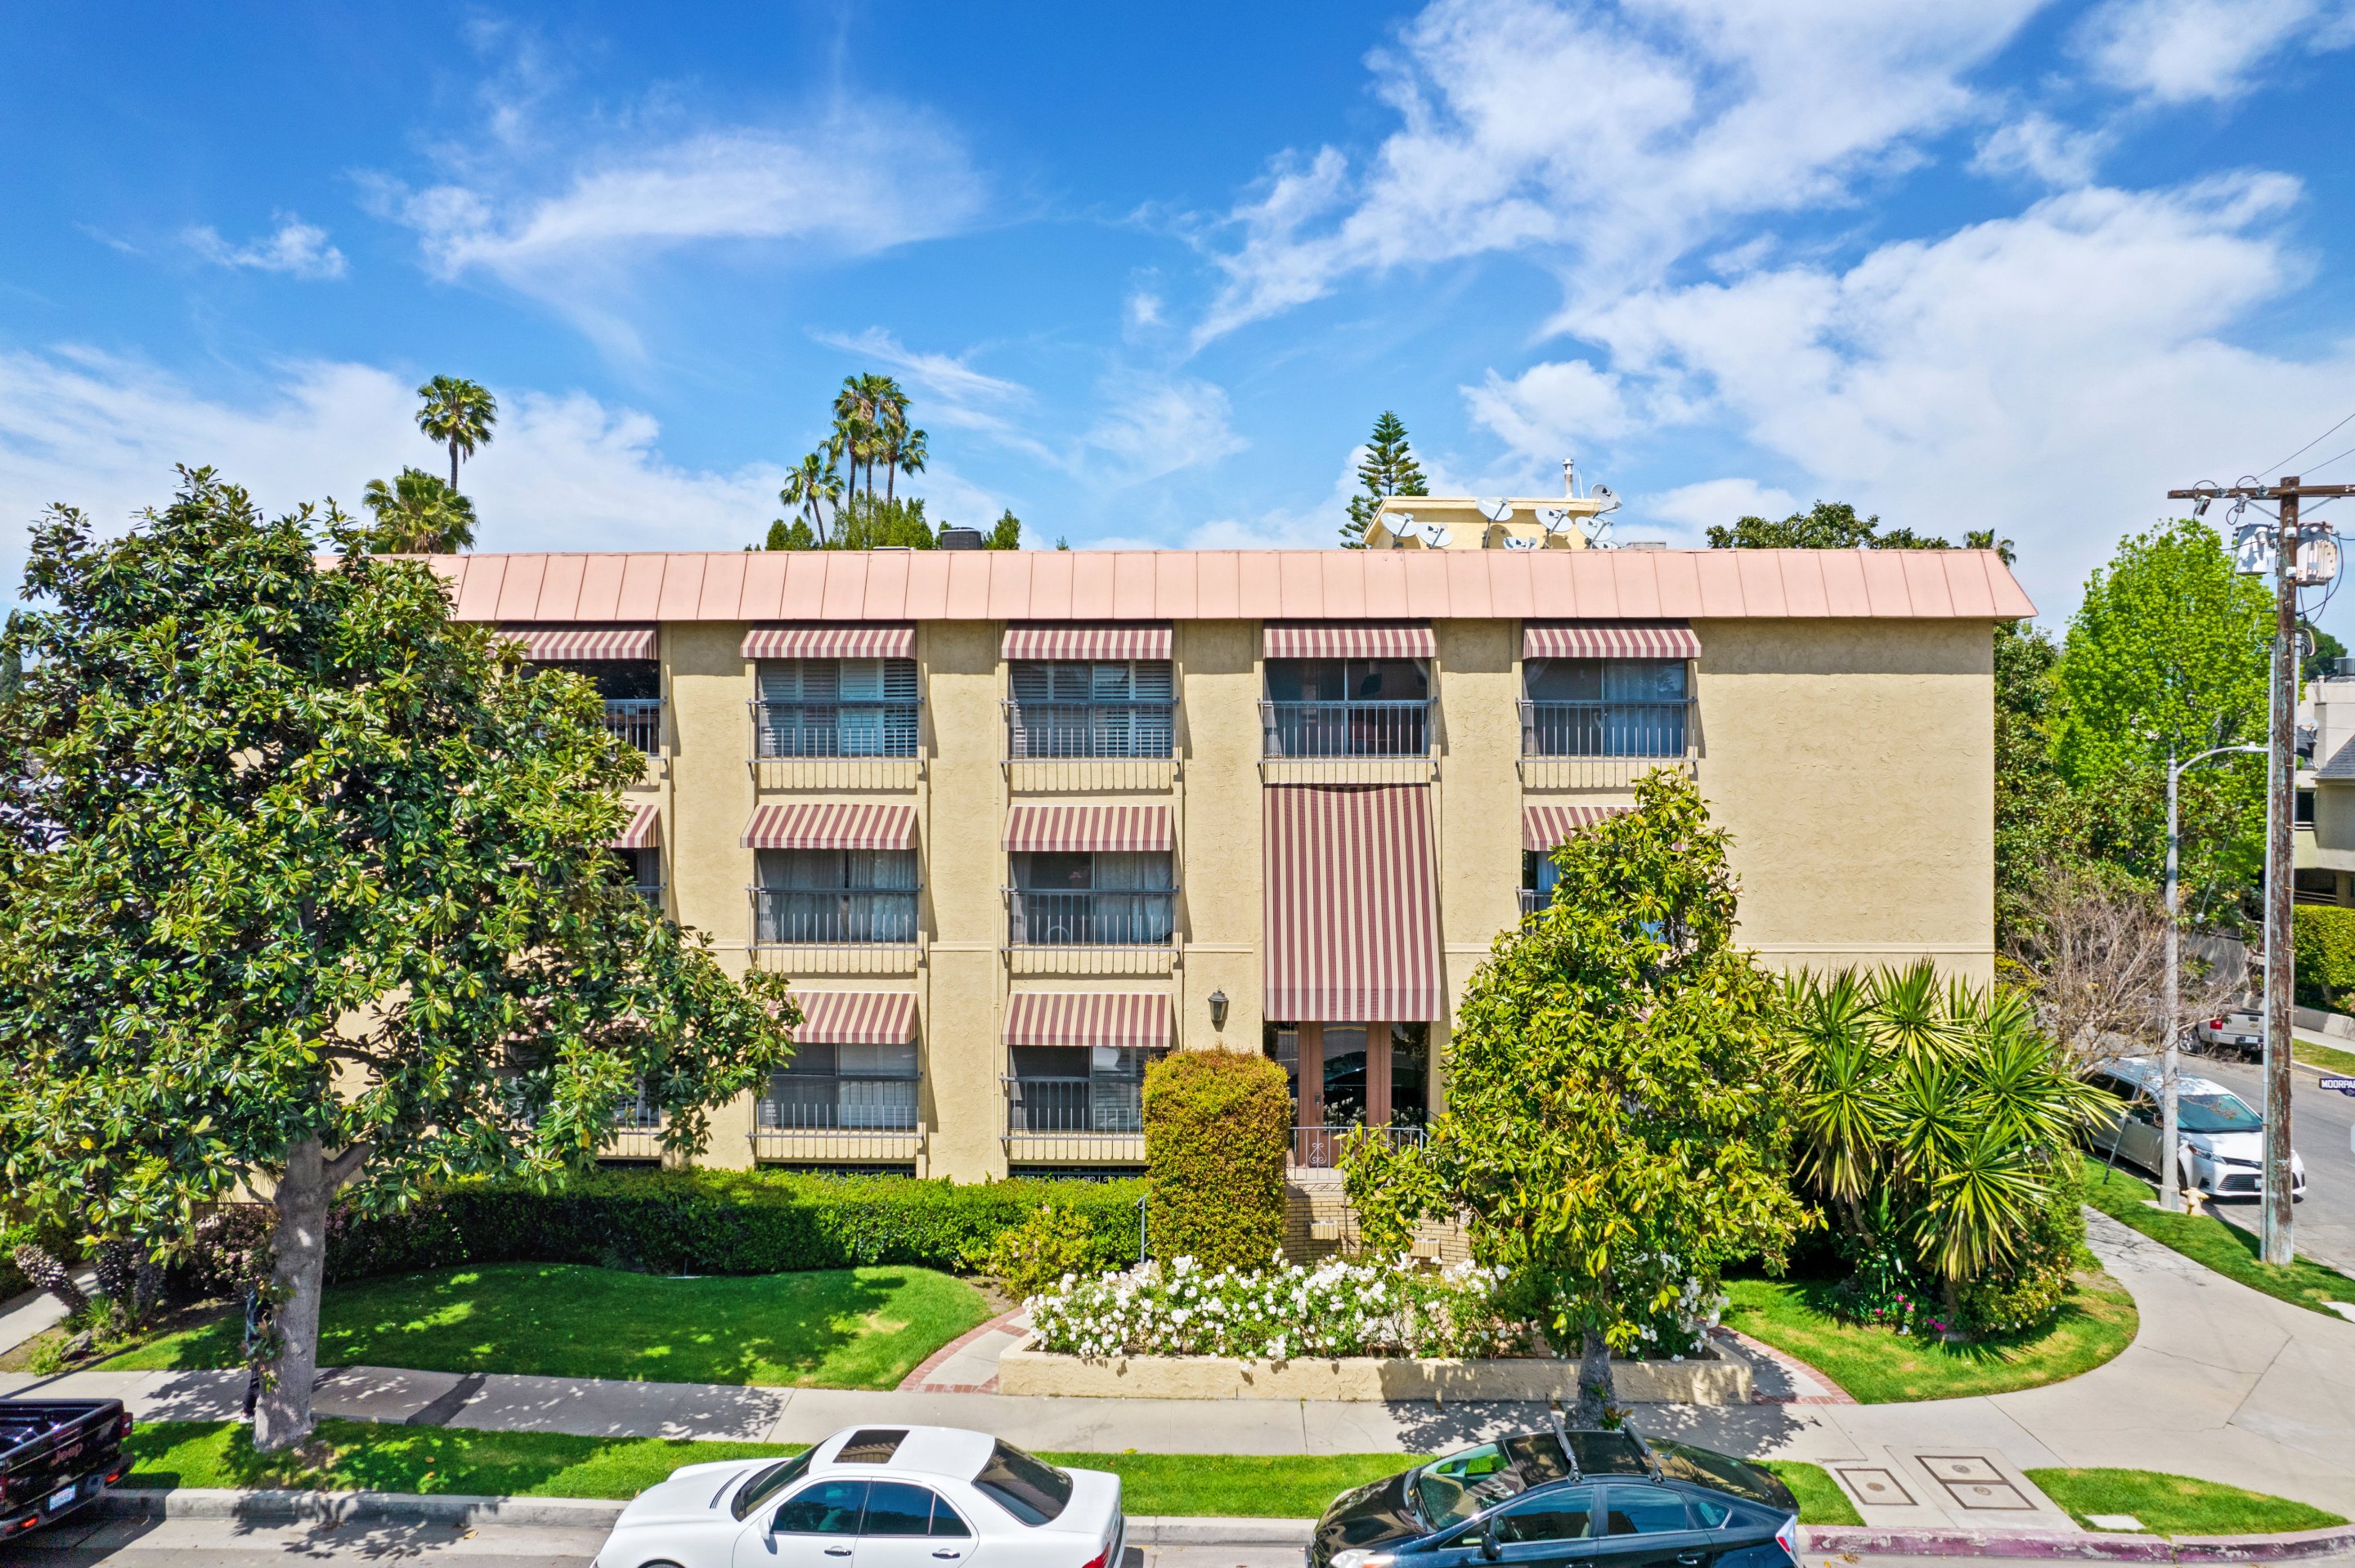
x: 2221, y: 1138
x: 876, y: 1497
x: 2239, y: 1030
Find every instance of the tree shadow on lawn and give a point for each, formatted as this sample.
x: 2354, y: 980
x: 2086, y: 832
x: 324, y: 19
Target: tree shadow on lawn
x: 849, y: 1328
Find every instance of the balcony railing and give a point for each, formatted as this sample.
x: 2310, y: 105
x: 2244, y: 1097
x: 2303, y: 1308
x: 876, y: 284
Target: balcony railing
x: 637, y: 1131
x: 637, y: 720
x: 1101, y: 919
x: 1052, y: 731
x: 1606, y: 729
x: 1345, y: 730
x: 1534, y: 899
x: 652, y: 892
x: 833, y: 917
x: 831, y: 1102
x: 834, y: 729
x: 1075, y: 1121
x: 1319, y: 1147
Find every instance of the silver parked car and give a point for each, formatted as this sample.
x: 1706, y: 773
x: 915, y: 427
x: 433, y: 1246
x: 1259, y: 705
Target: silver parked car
x: 2239, y: 1031
x: 2221, y: 1140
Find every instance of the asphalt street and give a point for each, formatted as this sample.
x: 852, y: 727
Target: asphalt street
x: 2321, y: 1123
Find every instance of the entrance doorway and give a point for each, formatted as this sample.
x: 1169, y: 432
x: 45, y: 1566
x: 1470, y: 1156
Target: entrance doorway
x: 1348, y: 1075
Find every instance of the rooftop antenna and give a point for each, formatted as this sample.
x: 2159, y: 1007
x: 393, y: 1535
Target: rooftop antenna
x: 1606, y: 494
x: 1553, y: 519
x: 1496, y: 510
x: 1435, y: 534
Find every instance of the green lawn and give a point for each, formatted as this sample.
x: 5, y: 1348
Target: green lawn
x: 1879, y: 1367
x: 2229, y: 1250
x: 865, y: 1327
x: 2329, y: 1056
x: 2176, y: 1505
x: 347, y: 1455
x: 1821, y: 1499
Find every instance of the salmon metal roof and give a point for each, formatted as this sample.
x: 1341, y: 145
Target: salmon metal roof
x: 842, y: 586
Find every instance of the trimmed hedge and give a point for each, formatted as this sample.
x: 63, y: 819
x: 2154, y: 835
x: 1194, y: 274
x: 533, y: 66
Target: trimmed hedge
x: 718, y: 1222
x: 2324, y: 951
x: 1217, y: 1125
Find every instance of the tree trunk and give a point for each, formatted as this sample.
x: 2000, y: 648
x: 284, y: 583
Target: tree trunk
x: 282, y: 1417
x: 453, y: 468
x: 1594, y: 1381
x: 44, y: 1272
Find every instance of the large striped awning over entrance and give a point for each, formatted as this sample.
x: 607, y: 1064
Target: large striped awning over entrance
x: 577, y: 644
x: 1608, y: 639
x: 1109, y: 828
x: 1352, y: 910
x: 1545, y: 827
x: 832, y: 827
x: 1134, y: 1019
x: 856, y: 1017
x: 1346, y: 639
x: 1086, y: 643
x: 643, y: 831
x: 830, y: 642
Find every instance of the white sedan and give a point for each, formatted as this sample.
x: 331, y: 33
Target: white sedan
x: 876, y: 1497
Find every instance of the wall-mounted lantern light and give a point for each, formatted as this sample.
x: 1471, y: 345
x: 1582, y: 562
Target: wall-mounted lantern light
x: 1218, y: 1010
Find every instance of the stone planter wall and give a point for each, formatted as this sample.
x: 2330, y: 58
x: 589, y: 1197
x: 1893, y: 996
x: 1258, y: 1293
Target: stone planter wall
x: 1026, y: 1369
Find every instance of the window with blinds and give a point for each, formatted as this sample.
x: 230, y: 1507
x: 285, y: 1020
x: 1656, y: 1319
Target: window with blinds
x: 837, y: 707
x: 1110, y: 707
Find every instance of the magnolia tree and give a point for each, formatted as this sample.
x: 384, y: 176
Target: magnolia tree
x: 1612, y: 1135
x: 303, y: 893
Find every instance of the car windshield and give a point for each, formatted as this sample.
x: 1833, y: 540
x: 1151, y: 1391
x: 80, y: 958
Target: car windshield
x: 766, y: 1484
x: 1452, y: 1489
x: 2216, y: 1113
x: 1032, y: 1490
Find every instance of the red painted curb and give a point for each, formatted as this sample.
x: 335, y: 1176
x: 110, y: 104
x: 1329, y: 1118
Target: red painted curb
x: 2285, y: 1548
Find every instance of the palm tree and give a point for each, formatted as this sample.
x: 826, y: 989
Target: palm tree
x: 417, y: 514
x: 907, y: 455
x: 458, y: 414
x: 808, y: 485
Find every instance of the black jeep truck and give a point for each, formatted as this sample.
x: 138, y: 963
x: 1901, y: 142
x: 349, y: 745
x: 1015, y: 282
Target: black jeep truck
x: 57, y: 1455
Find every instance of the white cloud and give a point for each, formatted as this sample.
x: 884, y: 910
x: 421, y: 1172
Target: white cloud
x: 2043, y: 149
x: 1157, y: 425
x: 2181, y: 51
x: 2050, y: 375
x: 851, y: 184
x: 298, y: 248
x: 566, y: 472
x: 1551, y: 410
x: 1692, y: 508
x: 1608, y: 138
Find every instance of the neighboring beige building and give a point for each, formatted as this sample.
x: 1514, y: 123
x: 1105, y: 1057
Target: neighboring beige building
x: 1016, y: 823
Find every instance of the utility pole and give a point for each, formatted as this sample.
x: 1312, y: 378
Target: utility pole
x: 2277, y: 1238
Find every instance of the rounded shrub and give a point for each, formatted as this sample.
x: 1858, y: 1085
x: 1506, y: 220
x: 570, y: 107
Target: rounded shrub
x: 1217, y: 1125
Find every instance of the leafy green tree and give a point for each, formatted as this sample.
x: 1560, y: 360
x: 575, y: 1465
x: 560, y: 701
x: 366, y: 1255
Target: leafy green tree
x: 906, y: 452
x: 1613, y: 1132
x: 794, y: 536
x: 868, y: 522
x: 1388, y: 469
x: 813, y: 491
x: 1827, y: 525
x: 2324, y: 659
x: 458, y: 414
x: 1006, y: 534
x: 417, y: 514
x: 302, y: 891
x: 2167, y: 650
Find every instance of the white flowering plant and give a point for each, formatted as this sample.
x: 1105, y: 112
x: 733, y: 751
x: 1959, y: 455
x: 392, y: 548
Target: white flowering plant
x: 1282, y: 1312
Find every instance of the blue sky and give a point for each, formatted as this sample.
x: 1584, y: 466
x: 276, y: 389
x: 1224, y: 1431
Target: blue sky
x: 1149, y: 273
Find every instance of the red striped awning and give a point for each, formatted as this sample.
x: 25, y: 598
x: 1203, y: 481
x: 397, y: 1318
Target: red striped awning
x: 1135, y: 1019
x: 831, y: 827
x: 576, y: 644
x: 1086, y: 643
x: 1352, y: 905
x: 1134, y: 828
x: 856, y: 1017
x: 1545, y: 827
x: 1608, y: 639
x: 1346, y: 639
x: 643, y: 831
x: 830, y: 642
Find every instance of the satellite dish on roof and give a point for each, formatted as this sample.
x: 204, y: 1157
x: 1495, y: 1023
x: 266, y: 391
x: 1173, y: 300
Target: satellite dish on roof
x: 1435, y: 534
x: 1608, y: 496
x: 1553, y: 519
x: 1496, y: 511
x: 1512, y: 543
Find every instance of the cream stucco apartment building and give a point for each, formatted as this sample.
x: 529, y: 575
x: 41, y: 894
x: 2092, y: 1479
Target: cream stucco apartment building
x: 1016, y: 823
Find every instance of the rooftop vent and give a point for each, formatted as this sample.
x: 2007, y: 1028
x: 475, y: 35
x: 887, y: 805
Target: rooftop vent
x: 960, y: 539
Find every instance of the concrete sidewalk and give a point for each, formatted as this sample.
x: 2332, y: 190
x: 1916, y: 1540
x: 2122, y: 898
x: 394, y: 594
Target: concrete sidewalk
x: 2222, y: 1383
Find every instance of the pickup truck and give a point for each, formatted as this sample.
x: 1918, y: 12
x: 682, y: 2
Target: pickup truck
x: 57, y: 1455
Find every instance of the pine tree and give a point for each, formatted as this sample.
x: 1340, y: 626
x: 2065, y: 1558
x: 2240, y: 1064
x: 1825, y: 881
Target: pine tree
x: 1389, y: 469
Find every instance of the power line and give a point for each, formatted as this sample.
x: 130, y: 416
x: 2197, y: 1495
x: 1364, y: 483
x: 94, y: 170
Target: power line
x: 2276, y: 467
x: 2326, y: 462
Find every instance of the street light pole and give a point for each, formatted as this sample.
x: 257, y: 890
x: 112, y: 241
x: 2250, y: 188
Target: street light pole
x: 2170, y: 1194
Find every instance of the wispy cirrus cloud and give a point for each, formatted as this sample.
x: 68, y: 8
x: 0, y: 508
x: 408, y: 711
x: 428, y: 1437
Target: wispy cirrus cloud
x: 297, y: 249
x: 2184, y: 51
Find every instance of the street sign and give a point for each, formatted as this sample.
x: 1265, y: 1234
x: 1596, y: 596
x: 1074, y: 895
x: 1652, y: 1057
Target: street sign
x: 2344, y: 1085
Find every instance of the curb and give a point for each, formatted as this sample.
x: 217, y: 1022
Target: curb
x: 569, y: 1514
x: 2106, y: 1548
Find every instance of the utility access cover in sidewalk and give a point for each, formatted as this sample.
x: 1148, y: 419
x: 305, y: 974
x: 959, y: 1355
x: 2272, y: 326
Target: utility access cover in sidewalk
x: 1975, y: 1484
